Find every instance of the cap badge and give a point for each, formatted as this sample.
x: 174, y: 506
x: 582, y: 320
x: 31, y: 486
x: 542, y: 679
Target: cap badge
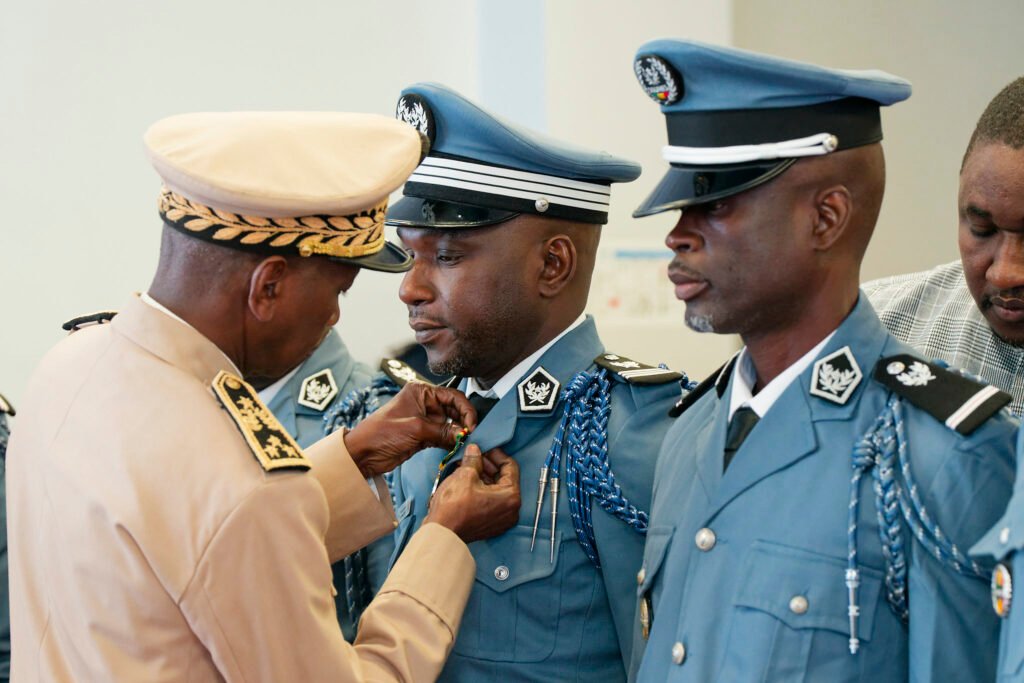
x: 318, y: 390
x: 415, y: 111
x: 1002, y: 590
x: 836, y: 376
x: 538, y: 392
x: 660, y: 81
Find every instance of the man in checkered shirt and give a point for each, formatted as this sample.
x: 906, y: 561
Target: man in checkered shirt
x: 970, y: 313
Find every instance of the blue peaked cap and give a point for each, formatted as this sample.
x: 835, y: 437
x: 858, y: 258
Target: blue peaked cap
x: 737, y: 119
x: 483, y: 169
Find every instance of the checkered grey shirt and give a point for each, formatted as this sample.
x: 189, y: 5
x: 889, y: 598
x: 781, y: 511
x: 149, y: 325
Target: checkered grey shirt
x: 934, y: 312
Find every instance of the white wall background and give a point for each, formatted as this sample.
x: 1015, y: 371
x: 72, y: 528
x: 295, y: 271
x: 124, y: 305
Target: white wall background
x: 80, y: 82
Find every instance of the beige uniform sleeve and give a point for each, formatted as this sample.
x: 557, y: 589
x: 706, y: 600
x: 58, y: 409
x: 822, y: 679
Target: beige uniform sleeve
x: 357, y: 516
x: 261, y: 599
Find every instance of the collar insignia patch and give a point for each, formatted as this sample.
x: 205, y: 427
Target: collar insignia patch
x: 318, y: 390
x: 273, y: 447
x: 538, y: 392
x: 1002, y: 590
x: 415, y: 111
x: 836, y: 376
x: 659, y: 79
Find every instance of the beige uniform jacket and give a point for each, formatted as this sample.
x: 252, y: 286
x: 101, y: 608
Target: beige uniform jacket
x: 148, y: 544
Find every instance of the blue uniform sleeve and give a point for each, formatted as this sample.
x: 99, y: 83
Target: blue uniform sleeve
x: 954, y: 633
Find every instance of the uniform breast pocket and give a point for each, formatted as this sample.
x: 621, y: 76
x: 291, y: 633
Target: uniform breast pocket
x: 513, y: 611
x: 790, y: 619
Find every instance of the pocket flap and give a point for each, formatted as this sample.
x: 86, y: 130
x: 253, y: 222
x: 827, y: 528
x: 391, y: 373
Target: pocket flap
x: 804, y: 589
x: 1006, y: 537
x: 655, y: 549
x: 506, y: 562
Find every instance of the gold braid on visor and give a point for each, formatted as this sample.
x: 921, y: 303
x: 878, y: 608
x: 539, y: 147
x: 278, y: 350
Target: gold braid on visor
x: 358, y: 234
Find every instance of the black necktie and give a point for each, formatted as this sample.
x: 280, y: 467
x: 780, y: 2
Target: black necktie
x: 743, y: 420
x: 482, y: 404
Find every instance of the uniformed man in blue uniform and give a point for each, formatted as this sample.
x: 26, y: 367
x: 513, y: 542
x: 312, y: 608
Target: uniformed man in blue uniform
x: 503, y: 225
x: 815, y: 499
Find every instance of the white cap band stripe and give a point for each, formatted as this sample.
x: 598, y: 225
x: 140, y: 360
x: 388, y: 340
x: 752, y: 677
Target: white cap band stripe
x: 972, y: 404
x: 497, y: 181
x: 815, y: 145
x: 507, y: 192
x: 486, y: 169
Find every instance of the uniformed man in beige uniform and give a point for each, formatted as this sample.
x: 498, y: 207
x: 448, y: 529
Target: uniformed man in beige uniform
x: 163, y: 526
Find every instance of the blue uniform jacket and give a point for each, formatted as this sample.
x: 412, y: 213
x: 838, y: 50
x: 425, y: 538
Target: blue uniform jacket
x: 528, y: 619
x: 1005, y: 543
x: 306, y: 424
x: 764, y: 598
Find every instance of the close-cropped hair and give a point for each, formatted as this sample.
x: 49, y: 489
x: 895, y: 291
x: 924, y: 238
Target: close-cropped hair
x: 1003, y: 119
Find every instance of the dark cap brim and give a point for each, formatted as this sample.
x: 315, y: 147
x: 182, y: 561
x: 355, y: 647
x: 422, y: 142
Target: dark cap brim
x: 686, y: 186
x: 416, y: 212
x: 391, y: 259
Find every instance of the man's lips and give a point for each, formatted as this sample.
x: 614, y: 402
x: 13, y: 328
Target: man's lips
x: 688, y: 283
x: 1009, y: 309
x: 426, y: 330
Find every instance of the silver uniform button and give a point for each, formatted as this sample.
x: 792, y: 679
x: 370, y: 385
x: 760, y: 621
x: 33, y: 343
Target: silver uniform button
x: 798, y: 604
x: 501, y: 573
x: 678, y: 653
x: 706, y: 539
x: 1004, y: 535
x: 640, y: 576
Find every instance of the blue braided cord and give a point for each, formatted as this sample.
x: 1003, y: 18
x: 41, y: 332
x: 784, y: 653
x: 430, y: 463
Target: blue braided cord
x: 685, y: 383
x: 897, y: 501
x: 582, y: 438
x: 927, y: 531
x: 359, y: 403
x: 349, y: 412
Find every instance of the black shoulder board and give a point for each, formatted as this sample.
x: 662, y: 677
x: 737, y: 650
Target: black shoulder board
x: 690, y: 398
x: 636, y: 372
x: 401, y: 373
x: 6, y: 407
x: 961, y: 403
x: 81, y: 321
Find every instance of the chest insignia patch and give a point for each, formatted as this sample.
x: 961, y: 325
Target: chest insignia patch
x: 273, y: 447
x: 318, y: 390
x: 539, y: 392
x: 1002, y: 590
x: 836, y: 376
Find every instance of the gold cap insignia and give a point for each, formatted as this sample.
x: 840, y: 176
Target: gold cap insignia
x: 318, y: 390
x: 273, y: 447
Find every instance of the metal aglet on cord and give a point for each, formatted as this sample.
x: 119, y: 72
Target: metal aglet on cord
x: 541, y: 485
x: 853, y: 609
x: 554, y: 514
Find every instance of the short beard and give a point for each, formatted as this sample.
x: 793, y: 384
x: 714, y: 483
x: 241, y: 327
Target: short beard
x: 700, y: 323
x: 474, y: 351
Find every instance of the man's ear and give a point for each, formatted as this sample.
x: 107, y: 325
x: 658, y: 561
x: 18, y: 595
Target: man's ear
x: 560, y: 261
x: 265, y: 287
x: 834, y: 207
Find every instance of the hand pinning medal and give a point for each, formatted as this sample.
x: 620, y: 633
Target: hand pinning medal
x: 460, y: 441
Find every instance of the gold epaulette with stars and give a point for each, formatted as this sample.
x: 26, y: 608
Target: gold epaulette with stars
x: 635, y: 372
x: 98, y: 318
x: 273, y: 447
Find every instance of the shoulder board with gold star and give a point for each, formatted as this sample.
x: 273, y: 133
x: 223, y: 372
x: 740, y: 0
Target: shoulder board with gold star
x: 81, y: 321
x: 401, y: 373
x: 272, y: 445
x: 961, y: 403
x: 6, y: 407
x: 636, y: 372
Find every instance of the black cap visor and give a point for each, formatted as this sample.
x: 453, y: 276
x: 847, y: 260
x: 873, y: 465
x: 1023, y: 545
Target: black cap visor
x: 391, y: 259
x: 416, y: 212
x: 686, y: 186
